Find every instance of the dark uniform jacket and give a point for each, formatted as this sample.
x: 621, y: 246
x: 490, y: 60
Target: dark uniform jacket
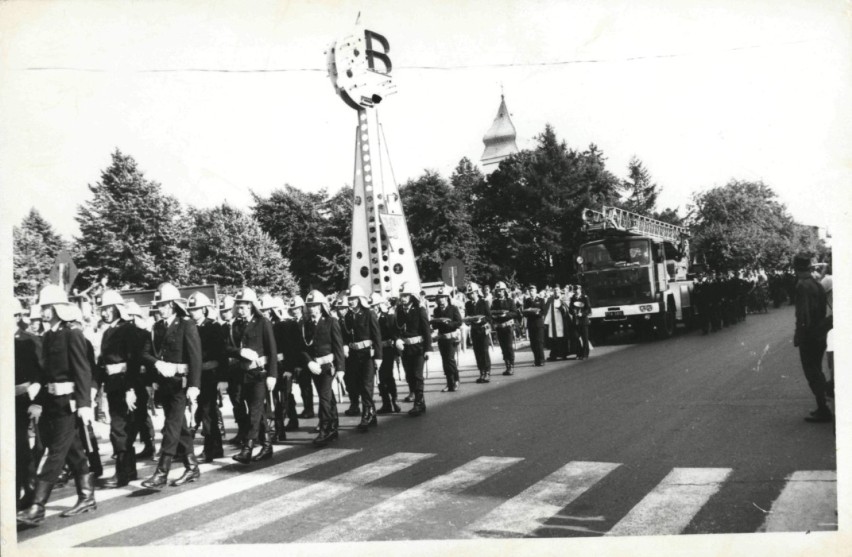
x: 481, y: 308
x: 452, y: 313
x: 414, y: 322
x: 505, y: 304
x: 28, y: 358
x: 535, y: 320
x: 361, y: 325
x: 292, y: 344
x: 66, y: 358
x: 119, y: 345
x: 212, y: 349
x: 580, y: 306
x: 256, y: 334
x: 810, y: 310
x: 322, y: 339
x: 178, y: 343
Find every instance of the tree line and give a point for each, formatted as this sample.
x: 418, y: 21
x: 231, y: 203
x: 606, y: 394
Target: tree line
x: 521, y: 223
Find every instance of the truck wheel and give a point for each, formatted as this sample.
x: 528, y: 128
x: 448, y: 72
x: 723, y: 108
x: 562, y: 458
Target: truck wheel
x: 666, y: 322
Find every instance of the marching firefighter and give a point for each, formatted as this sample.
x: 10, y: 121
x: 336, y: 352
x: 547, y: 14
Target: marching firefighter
x: 141, y: 417
x: 504, y: 312
x: 294, y: 347
x: 283, y: 402
x: 389, y: 333
x: 447, y: 319
x: 174, y: 352
x: 324, y: 358
x: 207, y: 413
x: 580, y: 310
x: 362, y: 341
x: 341, y: 309
x: 254, y: 345
x: 478, y: 316
x: 290, y: 368
x: 118, y: 365
x: 414, y: 341
x: 28, y: 371
x: 64, y: 398
x: 233, y: 374
x: 534, y: 312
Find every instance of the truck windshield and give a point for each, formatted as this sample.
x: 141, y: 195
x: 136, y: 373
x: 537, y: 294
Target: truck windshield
x: 616, y: 253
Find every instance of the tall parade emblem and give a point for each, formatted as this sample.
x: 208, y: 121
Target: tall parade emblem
x: 381, y: 258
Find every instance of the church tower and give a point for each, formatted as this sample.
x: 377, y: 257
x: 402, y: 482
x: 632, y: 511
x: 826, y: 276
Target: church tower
x: 499, y: 140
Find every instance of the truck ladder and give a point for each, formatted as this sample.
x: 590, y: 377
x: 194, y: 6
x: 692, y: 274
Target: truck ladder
x: 632, y: 223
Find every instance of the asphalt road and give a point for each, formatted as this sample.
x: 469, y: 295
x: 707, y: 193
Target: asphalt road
x: 695, y: 434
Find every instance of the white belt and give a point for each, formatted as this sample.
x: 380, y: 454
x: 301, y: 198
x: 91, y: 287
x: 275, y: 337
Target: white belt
x: 113, y: 369
x: 360, y: 345
x: 328, y: 359
x: 449, y: 336
x: 503, y: 325
x: 212, y: 364
x: 412, y: 340
x: 22, y: 388
x: 60, y: 389
x: 254, y: 364
x: 179, y: 369
x: 280, y: 357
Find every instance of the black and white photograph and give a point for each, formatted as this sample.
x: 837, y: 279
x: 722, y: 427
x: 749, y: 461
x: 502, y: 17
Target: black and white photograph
x: 502, y: 277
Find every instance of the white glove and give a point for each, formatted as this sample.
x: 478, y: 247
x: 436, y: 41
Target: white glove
x: 33, y: 390
x: 222, y: 386
x: 399, y: 344
x: 94, y: 393
x: 164, y: 369
x: 288, y: 375
x: 192, y: 395
x: 34, y: 411
x: 86, y: 414
x: 346, y: 351
x: 378, y: 363
x: 339, y: 376
x: 248, y: 354
x: 130, y: 399
x: 314, y: 367
x: 270, y: 383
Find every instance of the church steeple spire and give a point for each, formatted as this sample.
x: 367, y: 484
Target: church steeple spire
x: 499, y: 139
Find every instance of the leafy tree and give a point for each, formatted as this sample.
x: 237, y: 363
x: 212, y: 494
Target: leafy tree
x: 309, y: 229
x: 130, y: 231
x: 438, y: 223
x: 528, y: 212
x: 229, y: 249
x: 641, y: 192
x: 35, y: 247
x: 742, y: 225
x: 670, y: 216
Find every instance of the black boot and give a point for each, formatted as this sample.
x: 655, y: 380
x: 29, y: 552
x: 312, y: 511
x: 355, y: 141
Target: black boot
x: 29, y: 494
x: 449, y: 386
x: 147, y: 452
x: 419, y: 405
x: 35, y: 513
x: 386, y: 404
x: 120, y: 478
x: 64, y: 476
x: 481, y: 377
x: 268, y: 437
x: 292, y: 425
x: 368, y: 419
x: 244, y: 456
x: 160, y: 476
x: 85, y: 495
x: 509, y: 369
x: 486, y: 377
x: 191, y: 471
x: 353, y: 409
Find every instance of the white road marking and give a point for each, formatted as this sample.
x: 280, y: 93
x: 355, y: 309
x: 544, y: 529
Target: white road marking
x: 807, y: 502
x: 434, y: 493
x: 167, y: 505
x: 293, y: 503
x: 54, y: 508
x: 524, y: 513
x: 670, y: 507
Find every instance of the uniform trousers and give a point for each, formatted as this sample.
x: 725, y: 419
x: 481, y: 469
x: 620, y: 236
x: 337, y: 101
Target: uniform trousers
x: 506, y: 337
x: 285, y: 402
x: 387, y: 381
x: 536, y: 336
x: 447, y: 348
x: 208, y: 412
x: 583, y: 333
x: 351, y: 379
x: 122, y: 429
x: 24, y: 464
x: 306, y: 388
x: 327, y: 405
x: 177, y: 439
x: 141, y: 417
x: 810, y: 353
x: 62, y: 440
x: 363, y: 375
x: 480, y: 338
x: 235, y: 387
x: 412, y: 363
x: 253, y: 394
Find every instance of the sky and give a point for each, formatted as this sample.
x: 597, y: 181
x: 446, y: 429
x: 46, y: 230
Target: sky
x: 219, y: 100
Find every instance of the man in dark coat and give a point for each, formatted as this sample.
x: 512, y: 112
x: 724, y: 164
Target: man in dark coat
x: 810, y: 333
x: 362, y: 340
x: 446, y: 318
x: 28, y: 377
x: 534, y: 311
x: 504, y: 311
x: 414, y: 342
x: 478, y: 316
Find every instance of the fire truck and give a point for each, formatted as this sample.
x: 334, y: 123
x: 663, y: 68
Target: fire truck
x: 635, y: 271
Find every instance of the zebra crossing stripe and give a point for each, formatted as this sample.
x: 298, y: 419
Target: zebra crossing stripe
x: 160, y: 507
x: 669, y: 508
x: 101, y: 495
x: 524, y: 513
x: 807, y: 502
x: 404, y: 506
x: 294, y: 502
